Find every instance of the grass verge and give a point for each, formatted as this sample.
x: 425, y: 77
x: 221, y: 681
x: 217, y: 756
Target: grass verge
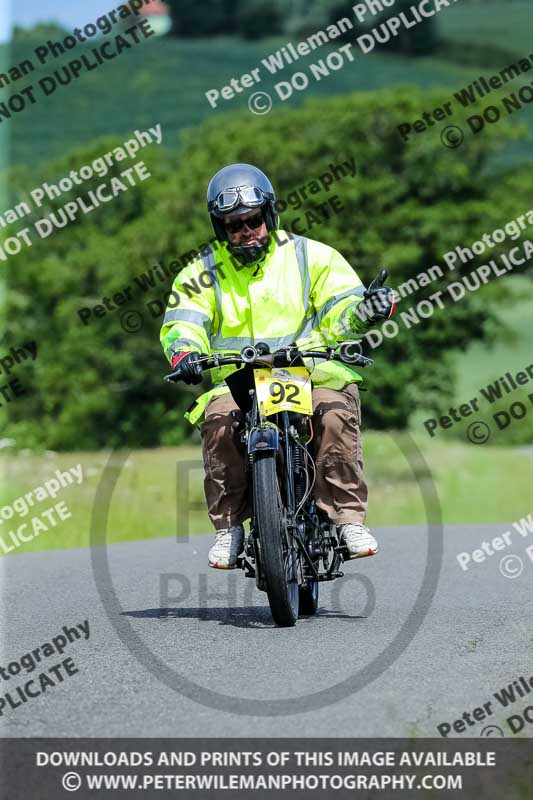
x: 155, y: 488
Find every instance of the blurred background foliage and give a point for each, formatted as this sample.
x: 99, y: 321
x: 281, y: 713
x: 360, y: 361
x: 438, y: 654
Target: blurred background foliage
x: 95, y: 385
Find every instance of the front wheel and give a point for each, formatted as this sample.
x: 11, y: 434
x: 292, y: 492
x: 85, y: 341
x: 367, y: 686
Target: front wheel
x: 279, y: 558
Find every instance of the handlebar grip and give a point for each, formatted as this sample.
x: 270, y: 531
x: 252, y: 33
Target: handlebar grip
x: 176, y: 375
x: 350, y: 351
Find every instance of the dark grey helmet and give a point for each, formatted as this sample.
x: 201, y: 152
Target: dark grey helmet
x: 236, y: 189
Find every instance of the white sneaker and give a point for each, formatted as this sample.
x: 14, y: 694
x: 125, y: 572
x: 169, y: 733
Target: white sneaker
x: 358, y: 540
x: 228, y: 544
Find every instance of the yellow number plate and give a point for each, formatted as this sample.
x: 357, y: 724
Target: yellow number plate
x: 284, y: 390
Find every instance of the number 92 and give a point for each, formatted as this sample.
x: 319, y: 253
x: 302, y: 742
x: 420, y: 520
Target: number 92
x: 281, y: 392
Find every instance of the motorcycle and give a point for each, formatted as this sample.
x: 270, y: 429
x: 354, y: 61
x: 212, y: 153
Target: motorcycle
x: 290, y: 548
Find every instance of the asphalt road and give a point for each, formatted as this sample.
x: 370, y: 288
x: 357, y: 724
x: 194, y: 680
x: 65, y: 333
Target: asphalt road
x: 214, y: 629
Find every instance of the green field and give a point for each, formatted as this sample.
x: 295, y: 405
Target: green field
x: 165, y: 80
x: 491, y: 22
x: 512, y: 349
x: 473, y: 485
x: 480, y: 365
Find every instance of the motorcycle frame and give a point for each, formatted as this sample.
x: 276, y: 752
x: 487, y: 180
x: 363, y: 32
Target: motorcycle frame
x: 263, y: 436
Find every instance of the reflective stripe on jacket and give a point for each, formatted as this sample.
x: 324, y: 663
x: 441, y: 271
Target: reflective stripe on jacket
x: 301, y: 291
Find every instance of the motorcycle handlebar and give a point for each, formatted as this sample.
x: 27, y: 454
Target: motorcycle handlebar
x: 348, y: 353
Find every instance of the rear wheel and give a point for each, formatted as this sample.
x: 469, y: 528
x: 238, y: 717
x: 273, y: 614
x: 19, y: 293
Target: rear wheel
x: 279, y: 557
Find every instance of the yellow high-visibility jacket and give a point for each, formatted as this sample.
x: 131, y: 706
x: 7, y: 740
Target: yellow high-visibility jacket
x: 301, y: 291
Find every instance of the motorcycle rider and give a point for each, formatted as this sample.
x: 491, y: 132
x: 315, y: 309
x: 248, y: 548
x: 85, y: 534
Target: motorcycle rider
x: 261, y: 284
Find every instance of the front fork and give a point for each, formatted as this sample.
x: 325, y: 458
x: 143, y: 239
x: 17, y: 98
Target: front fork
x: 263, y: 438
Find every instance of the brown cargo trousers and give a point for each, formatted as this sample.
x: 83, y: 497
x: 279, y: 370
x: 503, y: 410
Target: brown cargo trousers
x: 340, y: 490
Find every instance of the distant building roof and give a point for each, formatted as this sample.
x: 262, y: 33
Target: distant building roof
x: 156, y: 9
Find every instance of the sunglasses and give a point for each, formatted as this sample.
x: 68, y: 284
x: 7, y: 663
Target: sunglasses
x: 238, y: 225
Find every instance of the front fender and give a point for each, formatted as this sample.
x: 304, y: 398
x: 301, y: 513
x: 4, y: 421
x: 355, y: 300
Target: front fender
x: 263, y: 438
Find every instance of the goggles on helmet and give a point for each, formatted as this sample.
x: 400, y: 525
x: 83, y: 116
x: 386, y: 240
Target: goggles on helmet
x: 250, y: 196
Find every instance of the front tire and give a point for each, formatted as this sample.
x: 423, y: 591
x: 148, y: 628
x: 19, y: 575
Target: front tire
x: 279, y: 563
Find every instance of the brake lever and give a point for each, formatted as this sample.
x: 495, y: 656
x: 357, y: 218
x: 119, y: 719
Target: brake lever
x: 174, y: 377
x: 364, y: 361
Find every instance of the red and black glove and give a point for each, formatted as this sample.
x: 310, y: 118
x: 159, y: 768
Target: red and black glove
x: 378, y: 301
x: 188, y: 366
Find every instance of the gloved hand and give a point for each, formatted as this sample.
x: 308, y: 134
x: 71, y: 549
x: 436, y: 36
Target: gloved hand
x: 378, y: 301
x: 188, y: 365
